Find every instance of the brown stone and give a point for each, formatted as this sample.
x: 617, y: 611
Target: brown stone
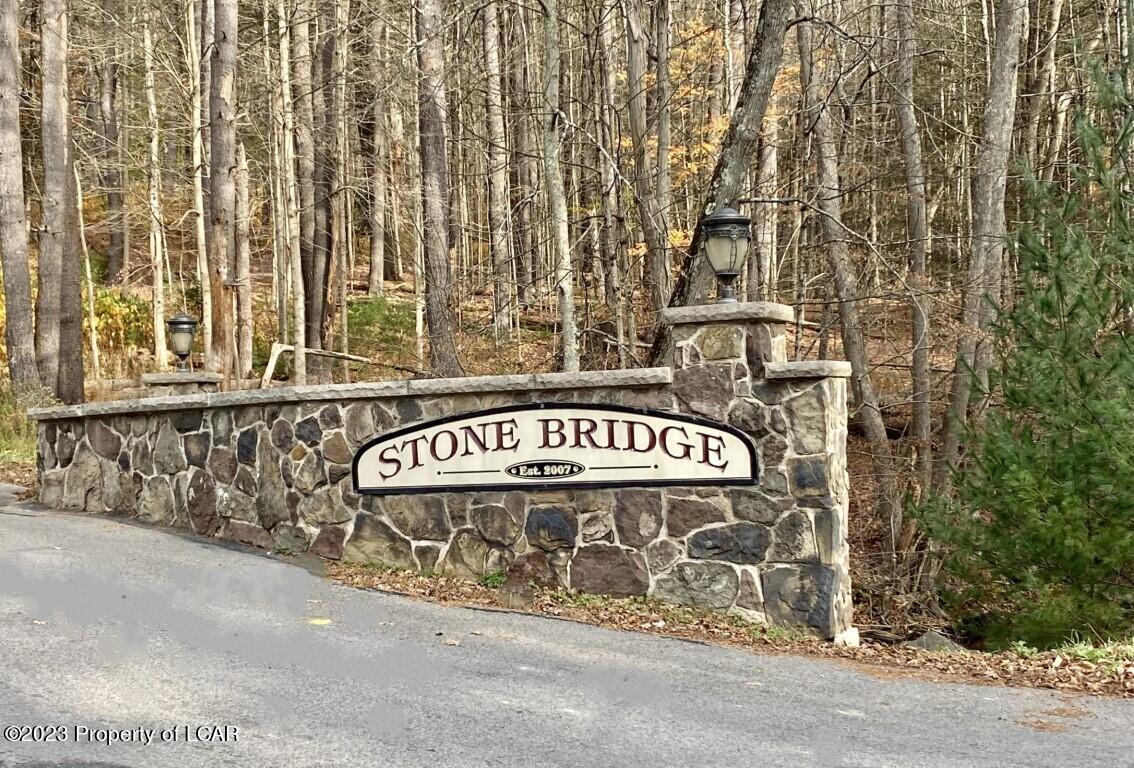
x: 685, y: 515
x: 721, y: 342
x: 329, y: 543
x: 324, y: 507
x: 222, y: 463
x: 246, y: 533
x: 465, y: 558
x: 103, y: 440
x: 270, y: 507
x: 637, y: 516
x: 596, y: 526
x: 335, y: 449
x: 607, y: 570
x: 283, y: 437
x: 201, y: 501
x: 427, y: 556
x: 749, y: 597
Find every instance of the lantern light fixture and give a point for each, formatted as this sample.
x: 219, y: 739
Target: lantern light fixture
x: 726, y: 244
x: 182, y: 328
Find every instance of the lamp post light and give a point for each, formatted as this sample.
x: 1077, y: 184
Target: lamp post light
x: 726, y: 243
x: 181, y: 329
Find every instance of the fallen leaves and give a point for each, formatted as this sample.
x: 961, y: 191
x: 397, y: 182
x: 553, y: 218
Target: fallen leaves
x: 1045, y: 669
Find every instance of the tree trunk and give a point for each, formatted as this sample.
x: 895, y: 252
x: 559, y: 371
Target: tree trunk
x: 304, y: 115
x: 556, y: 195
x: 435, y: 188
x: 222, y: 198
x: 291, y: 196
x: 696, y: 276
x: 316, y: 288
x: 156, y: 217
x: 523, y: 163
x: 499, y: 215
x: 918, y: 223
x: 110, y: 172
x: 989, y: 229
x: 646, y: 186
x: 244, y: 318
x: 18, y: 330
x: 377, y: 212
x: 193, y: 54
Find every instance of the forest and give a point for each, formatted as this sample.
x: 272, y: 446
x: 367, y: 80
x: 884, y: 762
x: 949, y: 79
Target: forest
x: 940, y: 189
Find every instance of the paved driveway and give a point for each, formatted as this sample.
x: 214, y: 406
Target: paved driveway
x: 107, y: 625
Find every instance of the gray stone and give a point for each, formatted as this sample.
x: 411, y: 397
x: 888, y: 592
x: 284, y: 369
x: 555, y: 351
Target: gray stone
x: 935, y: 641
x: 185, y: 421
x: 756, y: 506
x: 772, y: 450
x: 270, y: 507
x: 704, y: 585
x: 529, y: 572
x: 418, y: 517
x: 141, y: 460
x: 774, y: 481
x: 330, y: 418
x: 335, y: 449
x: 197, y: 448
x: 103, y: 440
x: 111, y: 491
x: 637, y: 516
x: 336, y: 472
x: 750, y: 311
x: 608, y: 570
x: 283, y: 437
x: 245, y: 481
x: 808, y: 369
x: 793, y: 540
x: 82, y: 488
x: 408, y: 411
x: 238, y: 506
x: 246, y: 446
x: 51, y: 489
x: 156, y: 505
x: 310, y: 473
x: 705, y: 389
x: 498, y: 523
x: 749, y: 416
x: 596, y: 526
x: 808, y: 476
x: 685, y: 515
x: 799, y: 595
x: 807, y: 415
x: 329, y: 543
x: 308, y: 431
x: 324, y: 507
x: 662, y: 554
x: 201, y: 501
x: 245, y: 533
x: 721, y: 342
x: 750, y: 598
x: 829, y: 534
x: 735, y: 543
x: 427, y: 556
x: 222, y: 463
x: 465, y: 558
x: 64, y: 448
x: 358, y: 423
x: 168, y: 459
x: 550, y: 528
x: 291, y: 504
x: 221, y: 422
x: 246, y: 417
x: 290, y: 539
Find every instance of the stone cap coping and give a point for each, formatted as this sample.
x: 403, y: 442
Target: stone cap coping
x: 766, y: 311
x: 190, y: 377
x: 525, y: 382
x: 808, y: 369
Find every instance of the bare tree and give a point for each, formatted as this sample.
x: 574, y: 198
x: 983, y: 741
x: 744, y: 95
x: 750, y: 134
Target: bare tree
x: 243, y: 272
x: 156, y: 215
x: 435, y: 188
x: 498, y: 212
x: 18, y: 330
x: 222, y: 179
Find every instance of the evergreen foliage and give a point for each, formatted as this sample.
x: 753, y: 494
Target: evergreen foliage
x: 1040, y: 535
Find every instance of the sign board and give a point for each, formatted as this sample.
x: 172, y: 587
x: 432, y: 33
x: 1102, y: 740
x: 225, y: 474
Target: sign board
x: 540, y: 446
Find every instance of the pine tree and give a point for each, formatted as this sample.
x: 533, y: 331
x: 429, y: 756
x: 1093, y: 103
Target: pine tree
x: 1042, y: 526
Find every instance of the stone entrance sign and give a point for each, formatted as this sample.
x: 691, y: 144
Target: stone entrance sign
x: 541, y: 446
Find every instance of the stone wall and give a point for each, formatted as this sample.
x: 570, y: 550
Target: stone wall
x: 271, y: 468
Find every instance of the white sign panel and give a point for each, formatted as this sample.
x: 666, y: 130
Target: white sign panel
x: 555, y: 445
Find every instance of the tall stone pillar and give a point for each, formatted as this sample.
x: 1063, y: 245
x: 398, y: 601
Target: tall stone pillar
x: 730, y: 364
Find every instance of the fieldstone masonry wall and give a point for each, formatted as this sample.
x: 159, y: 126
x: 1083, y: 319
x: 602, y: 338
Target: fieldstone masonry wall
x: 271, y: 468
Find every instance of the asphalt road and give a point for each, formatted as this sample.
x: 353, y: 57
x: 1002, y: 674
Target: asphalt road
x: 104, y: 624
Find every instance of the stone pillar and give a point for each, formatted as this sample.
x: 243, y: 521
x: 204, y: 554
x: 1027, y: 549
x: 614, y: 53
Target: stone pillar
x: 180, y: 383
x: 730, y: 365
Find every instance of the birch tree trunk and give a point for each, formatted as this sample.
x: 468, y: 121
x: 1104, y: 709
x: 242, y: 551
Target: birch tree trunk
x: 523, y: 163
x: 193, y: 55
x: 109, y: 165
x: 989, y: 229
x: 304, y: 112
x: 556, y: 195
x: 291, y: 195
x: 435, y: 188
x: 377, y: 212
x: 18, y: 330
x: 498, y: 211
x: 157, y: 216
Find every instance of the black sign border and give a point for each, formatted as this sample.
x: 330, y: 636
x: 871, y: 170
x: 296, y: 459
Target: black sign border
x: 590, y: 484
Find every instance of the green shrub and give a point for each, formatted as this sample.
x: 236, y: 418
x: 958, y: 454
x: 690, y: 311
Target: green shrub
x: 1040, y: 535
